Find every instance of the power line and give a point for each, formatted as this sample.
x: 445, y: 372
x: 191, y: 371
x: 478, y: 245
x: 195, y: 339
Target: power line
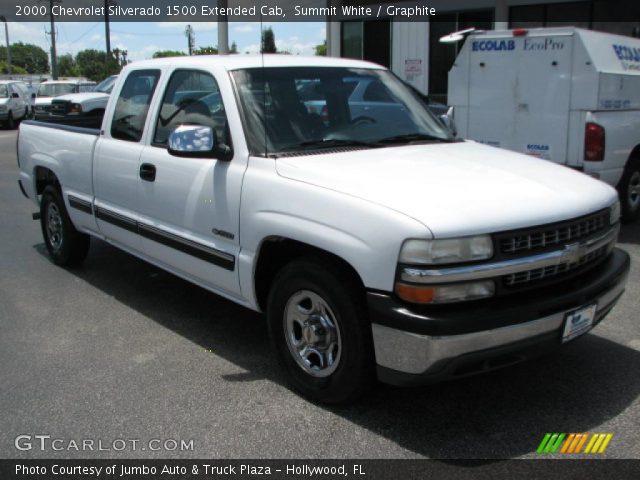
x: 149, y: 34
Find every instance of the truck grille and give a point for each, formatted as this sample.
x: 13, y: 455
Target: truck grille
x: 59, y: 107
x: 528, y: 277
x: 528, y: 241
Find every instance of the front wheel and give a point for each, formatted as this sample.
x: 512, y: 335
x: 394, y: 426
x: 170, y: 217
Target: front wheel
x: 629, y: 190
x: 319, y: 329
x: 66, y: 246
x: 11, y: 123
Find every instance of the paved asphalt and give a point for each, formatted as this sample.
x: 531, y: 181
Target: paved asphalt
x: 118, y: 349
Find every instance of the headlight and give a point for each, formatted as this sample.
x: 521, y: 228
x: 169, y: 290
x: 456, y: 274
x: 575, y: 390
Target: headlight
x: 75, y: 108
x: 614, y: 213
x: 447, y: 250
x: 455, y: 292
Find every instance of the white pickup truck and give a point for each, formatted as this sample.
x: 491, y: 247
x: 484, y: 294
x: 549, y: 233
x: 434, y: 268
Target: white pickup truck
x: 385, y: 248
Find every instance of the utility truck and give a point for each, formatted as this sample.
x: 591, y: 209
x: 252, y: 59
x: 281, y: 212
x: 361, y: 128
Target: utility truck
x: 565, y: 94
x: 386, y: 248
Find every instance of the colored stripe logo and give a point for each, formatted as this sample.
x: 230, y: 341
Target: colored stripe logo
x: 574, y: 443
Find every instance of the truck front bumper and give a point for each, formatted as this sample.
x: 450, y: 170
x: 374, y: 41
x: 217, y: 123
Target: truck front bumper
x: 422, y: 345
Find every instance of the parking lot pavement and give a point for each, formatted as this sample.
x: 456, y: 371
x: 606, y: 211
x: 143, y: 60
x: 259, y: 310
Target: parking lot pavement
x: 118, y: 349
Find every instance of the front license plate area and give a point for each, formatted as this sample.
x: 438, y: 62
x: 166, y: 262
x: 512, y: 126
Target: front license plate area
x: 578, y: 322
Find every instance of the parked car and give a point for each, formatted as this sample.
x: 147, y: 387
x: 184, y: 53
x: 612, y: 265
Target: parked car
x: 54, y: 88
x: 564, y: 94
x: 14, y: 102
x: 388, y: 249
x: 86, y: 108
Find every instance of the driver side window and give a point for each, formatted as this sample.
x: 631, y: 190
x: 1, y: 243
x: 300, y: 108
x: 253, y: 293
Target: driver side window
x: 192, y: 98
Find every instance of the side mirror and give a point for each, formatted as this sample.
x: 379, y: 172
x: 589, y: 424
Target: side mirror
x: 15, y: 95
x: 447, y: 121
x: 196, y: 141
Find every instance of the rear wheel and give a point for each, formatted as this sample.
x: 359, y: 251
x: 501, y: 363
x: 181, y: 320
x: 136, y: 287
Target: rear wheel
x: 65, y: 244
x: 320, y: 332
x: 629, y: 190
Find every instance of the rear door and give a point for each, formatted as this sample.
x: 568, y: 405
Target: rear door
x: 519, y: 93
x: 116, y: 159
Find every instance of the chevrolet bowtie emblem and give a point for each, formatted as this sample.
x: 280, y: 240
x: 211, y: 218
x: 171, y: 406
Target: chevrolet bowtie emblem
x: 574, y: 252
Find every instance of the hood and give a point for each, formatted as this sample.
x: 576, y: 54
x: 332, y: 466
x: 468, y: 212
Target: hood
x: 456, y: 189
x: 44, y: 100
x: 82, y: 97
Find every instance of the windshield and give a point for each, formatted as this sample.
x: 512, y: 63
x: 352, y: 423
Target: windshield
x: 4, y: 92
x: 55, y: 89
x: 106, y: 85
x: 289, y: 109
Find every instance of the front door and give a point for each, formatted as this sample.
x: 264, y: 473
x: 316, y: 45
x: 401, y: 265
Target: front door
x: 189, y: 207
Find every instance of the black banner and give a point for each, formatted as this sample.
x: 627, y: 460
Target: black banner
x: 198, y: 469
x: 303, y: 11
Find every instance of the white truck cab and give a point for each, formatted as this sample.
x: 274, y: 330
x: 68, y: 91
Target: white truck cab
x: 83, y: 108
x: 386, y: 248
x: 565, y: 94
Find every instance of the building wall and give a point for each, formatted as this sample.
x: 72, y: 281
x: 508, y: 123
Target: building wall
x: 412, y: 40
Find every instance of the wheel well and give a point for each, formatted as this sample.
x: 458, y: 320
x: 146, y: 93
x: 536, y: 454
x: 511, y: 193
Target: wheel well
x: 44, y: 178
x: 635, y: 153
x: 276, y: 252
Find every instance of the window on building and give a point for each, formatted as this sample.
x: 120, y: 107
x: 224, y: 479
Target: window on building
x: 367, y: 40
x: 609, y: 16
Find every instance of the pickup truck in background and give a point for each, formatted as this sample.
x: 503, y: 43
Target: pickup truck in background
x: 85, y: 108
x: 382, y: 248
x: 564, y: 94
x: 50, y: 89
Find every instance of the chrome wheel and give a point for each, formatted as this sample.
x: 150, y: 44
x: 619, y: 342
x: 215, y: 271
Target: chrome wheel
x: 54, y: 226
x: 312, y: 333
x: 633, y: 191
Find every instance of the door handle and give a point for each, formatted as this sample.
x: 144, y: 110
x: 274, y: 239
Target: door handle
x: 148, y: 172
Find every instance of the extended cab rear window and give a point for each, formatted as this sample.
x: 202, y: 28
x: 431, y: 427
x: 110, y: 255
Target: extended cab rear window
x: 133, y: 104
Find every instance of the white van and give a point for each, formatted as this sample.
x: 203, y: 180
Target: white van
x: 567, y: 95
x: 14, y: 102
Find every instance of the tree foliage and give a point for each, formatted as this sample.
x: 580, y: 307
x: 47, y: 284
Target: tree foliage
x: 268, y: 41
x: 15, y: 69
x: 67, y: 66
x: 31, y: 58
x: 321, y: 50
x: 93, y: 65
x: 205, y: 51
x: 168, y: 53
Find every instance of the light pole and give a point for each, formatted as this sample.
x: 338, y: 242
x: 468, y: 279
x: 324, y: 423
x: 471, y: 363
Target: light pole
x: 6, y: 36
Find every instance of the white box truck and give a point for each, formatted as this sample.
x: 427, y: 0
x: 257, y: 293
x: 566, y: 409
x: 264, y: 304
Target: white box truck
x: 566, y: 94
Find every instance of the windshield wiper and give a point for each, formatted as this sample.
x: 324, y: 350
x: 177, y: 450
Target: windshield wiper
x: 330, y: 143
x: 413, y: 138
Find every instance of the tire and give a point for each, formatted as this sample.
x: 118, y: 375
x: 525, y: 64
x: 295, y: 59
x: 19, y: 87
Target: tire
x: 10, y: 124
x: 66, y: 246
x: 629, y: 191
x: 339, y: 364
